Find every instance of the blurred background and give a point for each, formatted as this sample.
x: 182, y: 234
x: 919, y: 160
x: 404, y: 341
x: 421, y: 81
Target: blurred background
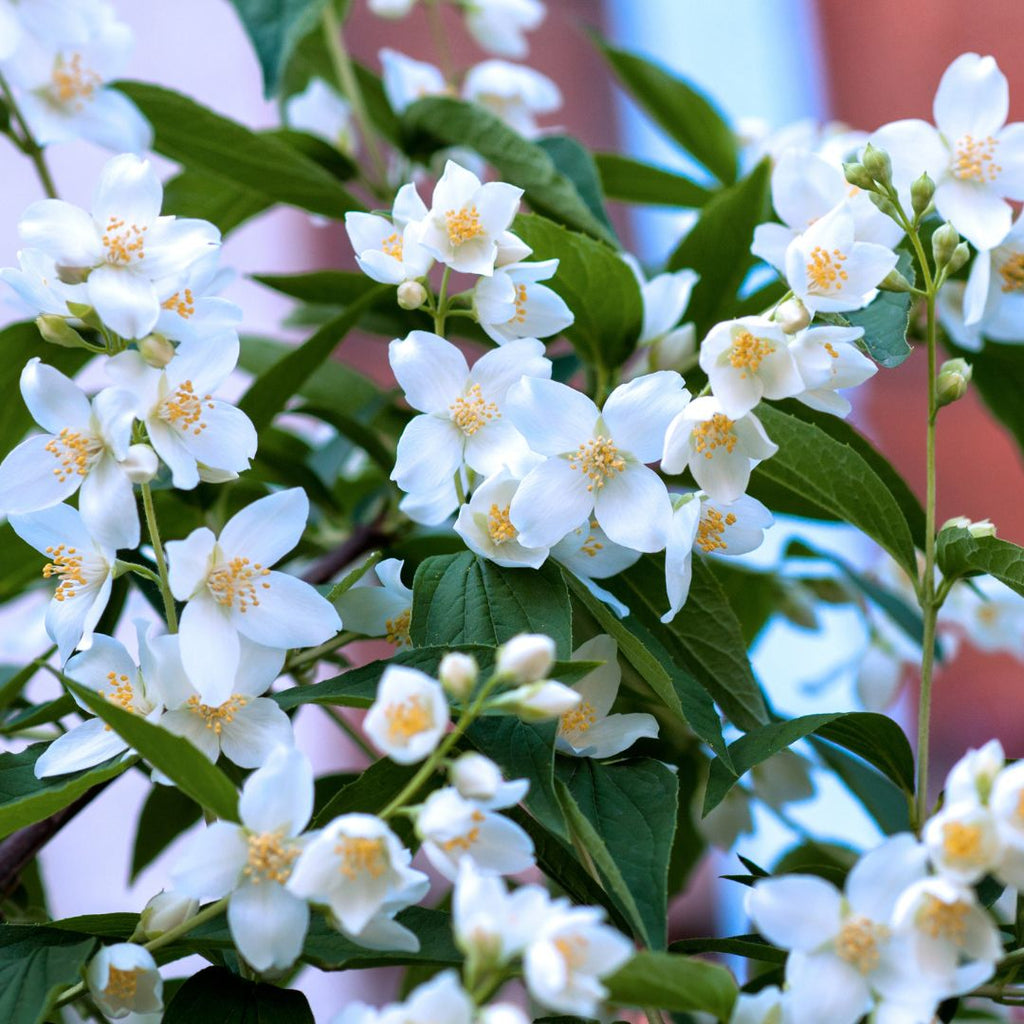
x: 778, y: 62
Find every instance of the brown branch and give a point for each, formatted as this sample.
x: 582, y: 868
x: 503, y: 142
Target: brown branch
x: 362, y: 539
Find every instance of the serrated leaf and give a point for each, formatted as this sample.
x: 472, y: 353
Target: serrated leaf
x: 631, y: 181
x: 596, y: 284
x: 217, y: 996
x: 36, y: 964
x: 672, y: 982
x: 959, y: 554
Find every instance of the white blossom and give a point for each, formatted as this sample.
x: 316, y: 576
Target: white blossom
x: 322, y: 111
x: 514, y: 92
x: 388, y: 250
x: 407, y: 80
x: 828, y: 360
x: 379, y: 611
x: 123, y: 979
x: 499, y: 26
x: 409, y: 715
x: 511, y: 304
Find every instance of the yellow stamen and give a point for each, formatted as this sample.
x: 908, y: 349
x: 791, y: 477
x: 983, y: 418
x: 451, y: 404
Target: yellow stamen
x: 857, y: 943
x: 182, y: 303
x: 598, y: 460
x: 408, y: 718
x: 714, y: 433
x: 463, y: 225
x: 974, y: 160
x: 397, y: 629
x: 573, y: 950
x: 959, y: 841
x: 234, y: 583
x: 392, y: 246
x: 830, y: 349
x: 121, y: 985
x: 578, y: 720
x: 466, y: 840
x: 183, y: 408
x: 499, y: 527
x: 71, y: 82
x: 825, y: 270
x: 121, y: 692
x: 216, y: 716
x: 124, y: 242
x: 748, y: 352
x: 361, y: 857
x: 944, y: 920
x: 1012, y: 273
x: 470, y: 412
x: 67, y: 567
x: 74, y: 453
x: 270, y: 857
x: 519, y: 316
x: 712, y: 526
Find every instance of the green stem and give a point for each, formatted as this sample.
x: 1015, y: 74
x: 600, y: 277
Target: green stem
x: 349, y: 730
x: 161, y: 561
x: 440, y: 37
x: 28, y: 144
x: 460, y: 491
x: 343, y: 638
x: 441, y: 309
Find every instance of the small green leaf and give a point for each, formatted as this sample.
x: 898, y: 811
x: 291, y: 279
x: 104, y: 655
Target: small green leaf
x: 181, y: 762
x: 217, y: 996
x: 753, y: 947
x: 222, y: 202
x: 685, y: 113
x: 676, y: 983
x: 575, y: 161
x: 597, y: 286
x: 631, y: 181
x: 959, y: 554
x: 885, y: 320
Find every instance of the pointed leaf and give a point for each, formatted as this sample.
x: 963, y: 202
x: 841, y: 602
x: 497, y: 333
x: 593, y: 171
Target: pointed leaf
x: 36, y: 964
x: 676, y: 983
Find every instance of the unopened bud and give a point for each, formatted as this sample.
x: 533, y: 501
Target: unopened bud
x: 792, y: 316
x: 885, y: 204
x: 166, y: 910
x: 894, y: 281
x: 539, y: 702
x: 72, y: 275
x: 954, y: 377
x: 961, y: 254
x: 411, y: 295
x: 475, y: 777
x: 458, y: 673
x: 672, y: 350
x: 944, y: 242
x: 141, y: 464
x: 981, y: 528
x: 877, y: 163
x: 857, y: 174
x: 526, y: 657
x: 57, y: 331
x: 921, y: 192
x: 156, y: 350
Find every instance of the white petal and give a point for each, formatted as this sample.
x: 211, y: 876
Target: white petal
x: 129, y: 190
x: 634, y: 509
x: 825, y: 988
x: 111, y: 120
x: 799, y: 912
x: 973, y: 98
x: 290, y: 613
x: 431, y: 371
x: 552, y: 500
x: 500, y: 368
x: 107, y: 505
x: 84, y: 746
x: 125, y: 300
x: 429, y: 453
x: 28, y: 481
x: 54, y: 400
x: 638, y: 413
x: 209, y: 648
x: 187, y: 723
x: 553, y: 417
x: 280, y: 794
x: 268, y: 925
x: 266, y: 530
x: 62, y: 231
x: 255, y: 730
x: 212, y: 862
x: 975, y: 210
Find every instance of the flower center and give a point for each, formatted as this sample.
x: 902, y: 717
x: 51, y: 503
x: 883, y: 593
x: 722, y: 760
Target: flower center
x: 974, y: 159
x: 1020, y: 805
x: 120, y: 692
x: 408, y: 718
x: 183, y: 408
x: 270, y: 857
x: 578, y: 720
x: 499, y: 527
x: 361, y: 857
x: 397, y: 629
x: 463, y: 225
x: 599, y: 460
x: 519, y: 316
x: 183, y: 303
x: 71, y: 82
x: 465, y: 841
x: 712, y: 527
x: 748, y: 352
x: 234, y: 583
x: 573, y: 950
x: 392, y: 246
x: 121, y: 985
x: 74, y: 453
x: 472, y: 411
x: 1012, y: 273
x: 857, y: 943
x: 67, y: 567
x: 712, y: 434
x: 215, y: 716
x: 961, y: 842
x: 825, y: 270
x: 123, y: 242
x: 944, y: 920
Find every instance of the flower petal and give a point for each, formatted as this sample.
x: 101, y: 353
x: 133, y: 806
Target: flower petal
x: 211, y: 865
x: 267, y: 529
x: 268, y: 925
x: 254, y: 731
x: 552, y: 500
x: 84, y: 746
x: 209, y: 648
x: 431, y: 371
x: 290, y: 613
x: 125, y: 300
x: 633, y: 508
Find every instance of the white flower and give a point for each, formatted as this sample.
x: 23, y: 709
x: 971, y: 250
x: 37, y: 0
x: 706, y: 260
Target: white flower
x: 829, y: 271
x: 62, y: 92
x: 565, y: 962
x: 357, y: 867
x: 408, y: 716
x: 747, y: 360
x: 484, y: 524
x: 833, y: 141
x: 665, y: 299
x: 453, y: 828
x: 499, y: 25
x: 526, y: 658
x: 389, y: 251
x: 974, y: 775
x: 467, y: 218
x: 380, y: 611
x: 589, y: 730
x: 391, y: 8
x: 540, y: 701
x: 513, y: 92
x: 193, y: 311
x: 502, y: 1013
x: 949, y: 305
x: 510, y: 304
x: 963, y: 842
x: 322, y: 111
x: 994, y: 297
x: 124, y: 249
x: 595, y: 459
x: 83, y: 446
x: 588, y: 553
x: 124, y: 978
x: 24, y: 23
x: 407, y: 80
x: 231, y: 590
x: 766, y: 1007
x: 720, y: 452
x: 186, y: 425
x: 464, y: 420
x: 990, y: 615
x: 478, y: 778
x: 166, y: 910
x: 83, y: 566
x: 975, y: 159
x: 440, y: 999
x: 253, y: 861
x: 38, y: 285
x: 827, y: 360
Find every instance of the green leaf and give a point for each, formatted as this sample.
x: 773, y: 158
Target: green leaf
x: 836, y: 479
x: 224, y: 203
x: 24, y: 799
x: 597, y: 286
x: 369, y: 793
x: 882, y: 799
x: 275, y: 27
x: 885, y: 320
x: 631, y: 181
x: 217, y: 996
x: 321, y: 287
x: 36, y: 964
x: 718, y: 247
x: 436, y: 122
x: 672, y: 982
x: 876, y: 738
x: 166, y: 813
x: 753, y: 947
x: 959, y: 554
x: 575, y: 161
x: 632, y: 807
x: 206, y: 142
x: 684, y: 112
x: 181, y: 762
x: 463, y: 599
x: 269, y: 393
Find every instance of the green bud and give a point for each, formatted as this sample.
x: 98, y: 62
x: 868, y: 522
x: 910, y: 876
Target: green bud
x: 944, y: 243
x: 56, y: 330
x: 951, y: 384
x: 981, y: 528
x: 921, y: 192
x: 894, y: 281
x: 885, y: 204
x: 857, y: 174
x: 961, y: 254
x: 877, y: 164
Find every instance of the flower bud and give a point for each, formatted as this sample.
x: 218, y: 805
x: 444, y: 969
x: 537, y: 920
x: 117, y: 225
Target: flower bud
x: 944, y: 243
x: 141, y: 465
x: 526, y: 657
x: 57, y: 331
x: 857, y: 175
x: 411, y: 295
x: 673, y: 349
x: 458, y: 673
x: 156, y: 350
x: 539, y: 702
x: 961, y: 254
x: 166, y: 910
x: 885, y: 204
x: 475, y: 777
x: 951, y: 385
x: 921, y: 192
x: 894, y: 281
x: 72, y: 275
x: 877, y: 163
x: 792, y: 316
x: 981, y: 528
